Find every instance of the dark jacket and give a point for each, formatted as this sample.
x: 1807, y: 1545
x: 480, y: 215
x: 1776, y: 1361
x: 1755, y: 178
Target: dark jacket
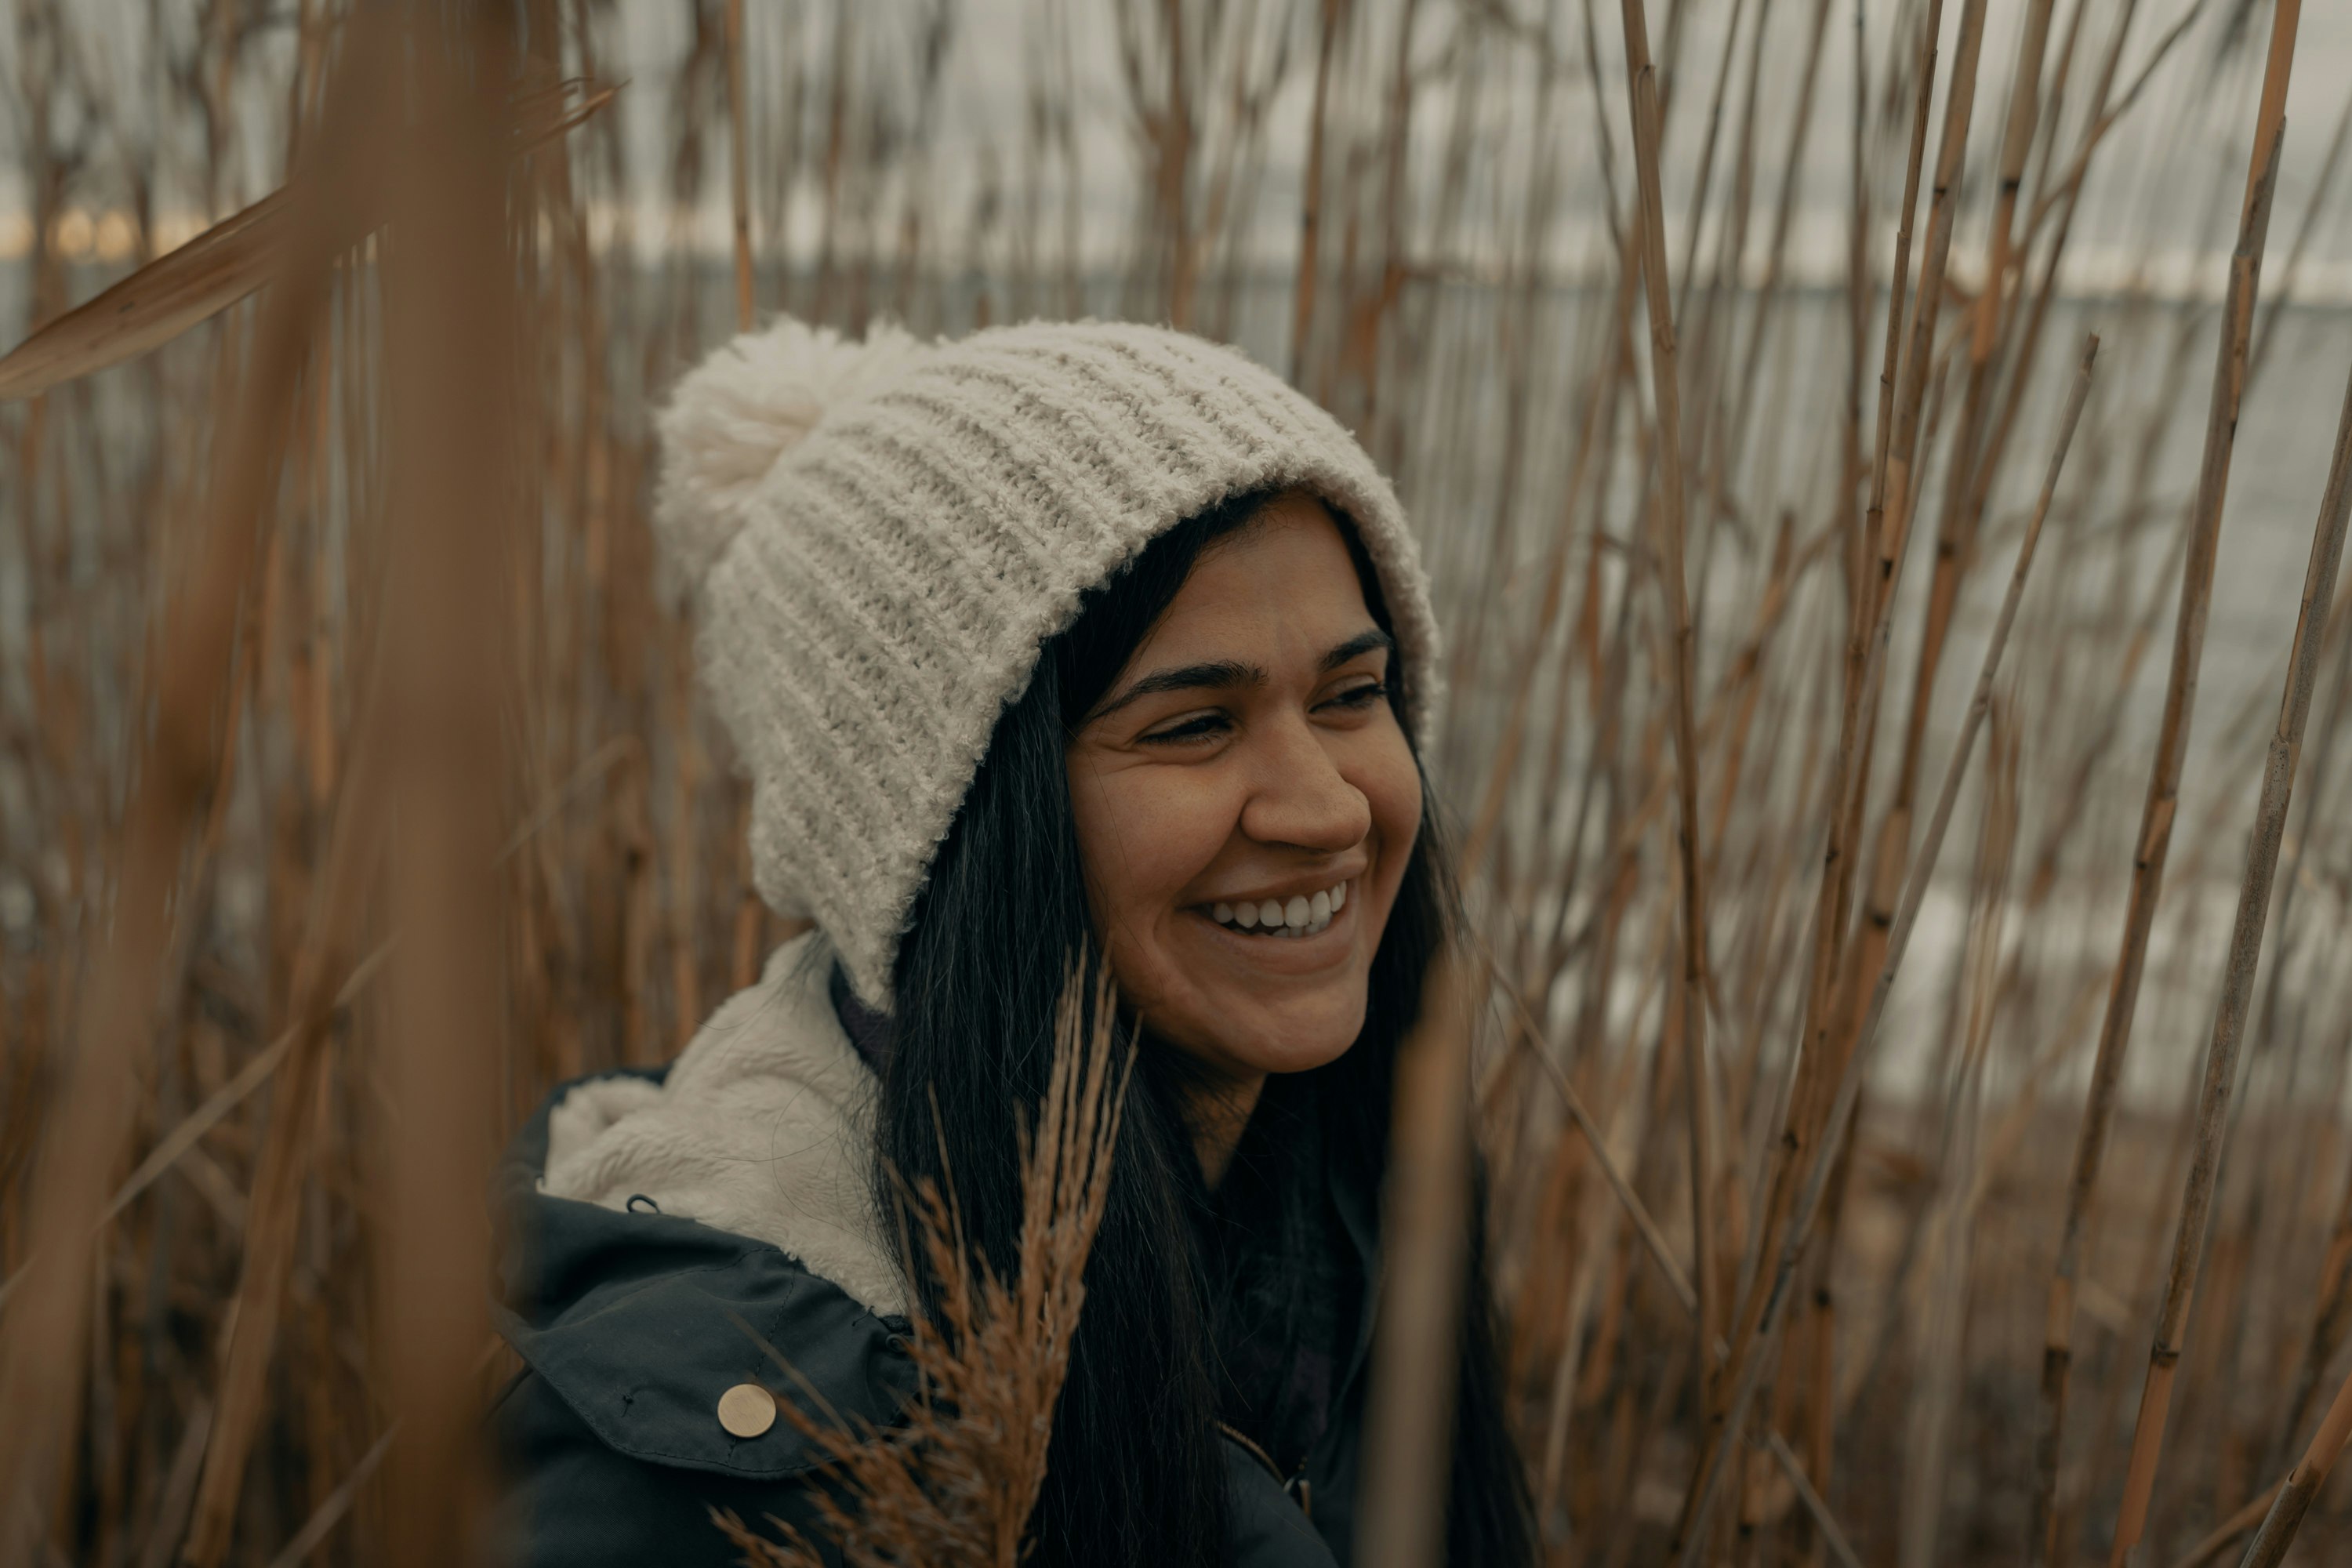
x: 631, y: 1325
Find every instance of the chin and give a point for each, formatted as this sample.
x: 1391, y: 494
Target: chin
x: 1288, y: 1045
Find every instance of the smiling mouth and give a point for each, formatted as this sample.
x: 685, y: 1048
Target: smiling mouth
x: 1300, y: 915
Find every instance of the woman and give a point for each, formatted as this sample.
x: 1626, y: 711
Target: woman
x: 1060, y: 637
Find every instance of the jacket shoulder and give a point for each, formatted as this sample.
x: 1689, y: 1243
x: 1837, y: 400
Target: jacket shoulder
x: 573, y: 1501
x: 641, y: 1322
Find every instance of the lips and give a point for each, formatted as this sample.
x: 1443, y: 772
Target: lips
x: 1299, y: 915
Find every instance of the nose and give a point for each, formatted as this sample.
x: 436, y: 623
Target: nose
x: 1300, y: 797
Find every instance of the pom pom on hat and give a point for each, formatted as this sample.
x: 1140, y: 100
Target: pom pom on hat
x: 738, y: 413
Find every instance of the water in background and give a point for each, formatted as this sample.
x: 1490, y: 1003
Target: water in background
x: 1447, y: 431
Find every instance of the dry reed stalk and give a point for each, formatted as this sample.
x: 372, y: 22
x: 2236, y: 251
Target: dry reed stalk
x: 1904, y: 438
x: 333, y: 1506
x: 1642, y: 86
x: 2001, y: 1152
x: 2301, y: 1487
x: 2070, y: 184
x: 272, y: 1214
x: 1956, y: 535
x: 2245, y: 937
x: 285, y: 1167
x: 1977, y: 494
x: 1804, y: 1126
x: 1744, y: 401
x: 2302, y: 1483
x: 2329, y: 1310
x: 1363, y: 311
x: 2225, y: 1535
x: 2017, y: 141
x: 2295, y: 873
x: 1501, y: 766
x: 954, y: 1485
x: 1330, y: 18
x: 1700, y: 186
x: 1653, y: 1240
x: 2322, y: 186
x: 1833, y: 1536
x: 738, y: 163
x: 190, y: 681
x: 1898, y: 294
x: 687, y: 774
x: 452, y: 353
x: 1947, y: 1232
x: 1517, y: 294
x: 1713, y: 339
x: 835, y: 160
x: 1427, y: 1194
x: 1900, y: 453
x: 1661, y: 1253
x: 185, y: 1134
x: 1753, y: 1359
x: 2154, y: 836
x: 1805, y: 1118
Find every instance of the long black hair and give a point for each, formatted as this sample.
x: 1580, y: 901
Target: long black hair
x: 1134, y: 1472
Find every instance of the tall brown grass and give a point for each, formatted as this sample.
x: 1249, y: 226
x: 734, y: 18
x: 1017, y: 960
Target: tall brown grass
x: 1714, y: 368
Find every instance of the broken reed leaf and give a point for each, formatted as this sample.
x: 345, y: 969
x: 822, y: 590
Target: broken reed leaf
x: 953, y: 1482
x: 154, y: 305
x: 199, y: 279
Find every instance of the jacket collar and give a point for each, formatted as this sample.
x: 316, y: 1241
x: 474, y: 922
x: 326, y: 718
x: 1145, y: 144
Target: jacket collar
x: 762, y: 1127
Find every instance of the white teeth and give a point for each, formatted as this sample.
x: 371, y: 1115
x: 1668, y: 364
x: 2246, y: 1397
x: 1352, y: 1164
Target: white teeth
x: 1300, y: 915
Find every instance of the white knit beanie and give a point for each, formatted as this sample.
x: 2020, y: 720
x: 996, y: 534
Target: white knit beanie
x: 880, y: 537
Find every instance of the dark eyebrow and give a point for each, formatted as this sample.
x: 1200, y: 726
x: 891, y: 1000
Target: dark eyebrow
x: 1220, y: 675
x: 1356, y: 647
x: 1216, y: 674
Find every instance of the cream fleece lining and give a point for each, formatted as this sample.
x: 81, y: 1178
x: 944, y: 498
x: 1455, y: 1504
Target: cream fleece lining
x: 764, y: 1128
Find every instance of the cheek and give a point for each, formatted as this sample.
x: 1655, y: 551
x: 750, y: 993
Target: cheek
x: 1391, y: 789
x: 1143, y: 834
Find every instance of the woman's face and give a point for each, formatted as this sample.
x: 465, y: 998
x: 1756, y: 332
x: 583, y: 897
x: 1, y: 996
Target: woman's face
x: 1246, y: 804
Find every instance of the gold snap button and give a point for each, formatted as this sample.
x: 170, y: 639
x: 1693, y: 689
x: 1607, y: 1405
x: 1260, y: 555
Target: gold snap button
x: 747, y: 1410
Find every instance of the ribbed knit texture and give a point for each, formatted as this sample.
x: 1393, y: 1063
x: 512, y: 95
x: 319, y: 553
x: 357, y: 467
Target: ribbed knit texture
x: 881, y: 537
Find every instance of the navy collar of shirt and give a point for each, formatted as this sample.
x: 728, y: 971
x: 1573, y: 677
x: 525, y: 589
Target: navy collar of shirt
x: 868, y: 1031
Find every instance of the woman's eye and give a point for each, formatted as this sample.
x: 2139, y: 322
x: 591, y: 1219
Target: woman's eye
x: 1199, y: 727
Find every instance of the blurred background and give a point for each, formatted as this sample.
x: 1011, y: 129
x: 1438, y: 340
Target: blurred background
x: 1426, y: 212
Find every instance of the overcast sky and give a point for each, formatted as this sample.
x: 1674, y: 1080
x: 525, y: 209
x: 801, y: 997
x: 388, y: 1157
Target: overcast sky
x: 2150, y: 191
x: 2144, y: 193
